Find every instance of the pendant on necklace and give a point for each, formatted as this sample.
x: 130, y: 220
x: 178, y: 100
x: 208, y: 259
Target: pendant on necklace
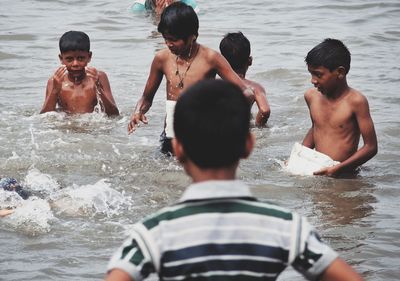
x: 180, y: 85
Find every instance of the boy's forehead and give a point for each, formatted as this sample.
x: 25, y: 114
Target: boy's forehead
x: 169, y: 36
x: 320, y: 68
x: 75, y: 53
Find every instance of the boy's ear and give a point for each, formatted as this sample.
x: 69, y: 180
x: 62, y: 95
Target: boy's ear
x: 60, y: 58
x: 250, y: 141
x: 179, y: 152
x: 90, y: 56
x: 341, y: 71
x: 250, y: 61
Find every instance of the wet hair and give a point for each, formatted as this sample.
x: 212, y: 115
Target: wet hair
x: 179, y: 20
x: 235, y: 47
x: 211, y: 121
x: 11, y: 184
x: 74, y: 41
x: 330, y: 53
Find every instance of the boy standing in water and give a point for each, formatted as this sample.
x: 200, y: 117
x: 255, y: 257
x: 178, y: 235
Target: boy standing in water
x: 339, y: 114
x: 75, y: 87
x: 183, y: 63
x: 218, y: 230
x: 235, y: 47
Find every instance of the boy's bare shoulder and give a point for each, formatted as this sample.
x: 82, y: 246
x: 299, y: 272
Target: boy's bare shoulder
x: 311, y: 93
x: 102, y: 73
x: 162, y: 55
x: 208, y: 53
x: 356, y: 98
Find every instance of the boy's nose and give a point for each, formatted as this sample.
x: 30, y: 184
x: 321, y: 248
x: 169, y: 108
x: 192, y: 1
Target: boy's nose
x: 313, y: 80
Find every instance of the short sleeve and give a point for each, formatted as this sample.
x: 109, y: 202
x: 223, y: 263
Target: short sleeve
x: 133, y: 258
x: 314, y: 256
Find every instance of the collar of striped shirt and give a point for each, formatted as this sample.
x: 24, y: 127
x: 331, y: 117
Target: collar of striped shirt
x: 215, y: 189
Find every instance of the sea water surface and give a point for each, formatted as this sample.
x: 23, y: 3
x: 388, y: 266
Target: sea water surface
x: 92, y: 181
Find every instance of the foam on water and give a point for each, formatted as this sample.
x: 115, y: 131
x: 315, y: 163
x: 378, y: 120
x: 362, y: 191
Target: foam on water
x: 89, y: 200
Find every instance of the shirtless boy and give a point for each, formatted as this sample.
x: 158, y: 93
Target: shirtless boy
x: 235, y: 47
x: 74, y: 87
x: 183, y: 63
x: 339, y: 113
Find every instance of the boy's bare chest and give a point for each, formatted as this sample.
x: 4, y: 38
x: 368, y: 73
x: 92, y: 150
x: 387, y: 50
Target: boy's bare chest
x: 181, y: 74
x: 84, y: 92
x: 332, y: 114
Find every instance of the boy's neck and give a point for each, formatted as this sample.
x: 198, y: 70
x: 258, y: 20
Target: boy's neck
x: 77, y: 79
x: 241, y: 72
x: 191, y: 52
x: 199, y: 174
x: 339, y: 91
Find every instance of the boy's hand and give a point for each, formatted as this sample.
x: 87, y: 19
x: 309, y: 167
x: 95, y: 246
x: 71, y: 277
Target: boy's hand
x: 58, y: 77
x: 91, y: 72
x: 135, y: 118
x: 328, y: 171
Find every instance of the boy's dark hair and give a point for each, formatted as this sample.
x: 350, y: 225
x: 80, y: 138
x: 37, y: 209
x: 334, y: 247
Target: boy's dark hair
x: 235, y: 47
x: 74, y: 41
x: 331, y: 53
x: 211, y: 121
x: 179, y: 20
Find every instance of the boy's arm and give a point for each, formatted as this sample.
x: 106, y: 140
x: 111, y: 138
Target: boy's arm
x: 5, y: 212
x: 118, y: 275
x: 53, y: 89
x: 264, y: 110
x: 104, y: 88
x: 308, y: 140
x: 145, y: 102
x: 225, y: 71
x: 367, y: 131
x: 339, y: 270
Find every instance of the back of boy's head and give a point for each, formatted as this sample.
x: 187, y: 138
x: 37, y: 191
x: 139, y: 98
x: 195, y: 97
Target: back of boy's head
x: 179, y: 20
x: 235, y: 47
x: 74, y: 41
x: 211, y: 121
x: 330, y: 53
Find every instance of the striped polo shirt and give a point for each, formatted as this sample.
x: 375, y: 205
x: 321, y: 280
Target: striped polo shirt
x: 219, y: 231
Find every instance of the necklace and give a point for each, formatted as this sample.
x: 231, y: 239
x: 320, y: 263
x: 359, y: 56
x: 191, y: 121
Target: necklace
x: 189, y: 62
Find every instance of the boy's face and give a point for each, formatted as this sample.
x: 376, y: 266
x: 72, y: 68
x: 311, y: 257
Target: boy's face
x: 177, y: 46
x: 75, y: 61
x: 323, y: 79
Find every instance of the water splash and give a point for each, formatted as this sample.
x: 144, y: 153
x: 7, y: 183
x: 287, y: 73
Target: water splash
x: 43, y: 183
x: 89, y: 200
x: 31, y: 217
x: 99, y: 107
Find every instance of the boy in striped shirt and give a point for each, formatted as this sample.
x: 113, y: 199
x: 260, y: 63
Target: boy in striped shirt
x: 218, y: 230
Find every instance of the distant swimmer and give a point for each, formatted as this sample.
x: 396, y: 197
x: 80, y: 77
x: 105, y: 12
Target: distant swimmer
x: 75, y: 87
x: 339, y: 114
x: 11, y: 184
x: 158, y: 6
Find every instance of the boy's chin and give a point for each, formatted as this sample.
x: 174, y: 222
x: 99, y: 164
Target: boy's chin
x: 76, y: 73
